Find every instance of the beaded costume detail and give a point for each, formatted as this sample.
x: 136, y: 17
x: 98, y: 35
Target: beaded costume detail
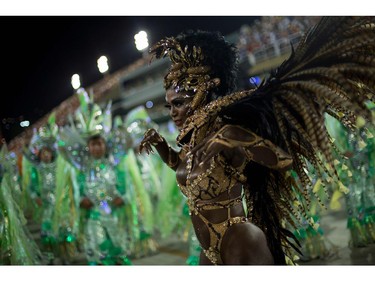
x: 202, y: 191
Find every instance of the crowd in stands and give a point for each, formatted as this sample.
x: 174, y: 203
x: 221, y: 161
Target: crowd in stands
x: 271, y: 36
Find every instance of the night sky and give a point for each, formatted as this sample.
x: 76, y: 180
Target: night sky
x: 41, y: 53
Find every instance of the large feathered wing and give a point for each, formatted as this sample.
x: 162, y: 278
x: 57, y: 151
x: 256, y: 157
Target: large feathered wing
x: 332, y: 71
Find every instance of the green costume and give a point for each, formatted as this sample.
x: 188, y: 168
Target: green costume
x: 16, y: 244
x: 100, y: 180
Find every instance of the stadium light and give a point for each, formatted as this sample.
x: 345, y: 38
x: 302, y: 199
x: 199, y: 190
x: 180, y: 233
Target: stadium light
x: 103, y: 64
x: 141, y: 40
x: 76, y: 83
x: 25, y: 123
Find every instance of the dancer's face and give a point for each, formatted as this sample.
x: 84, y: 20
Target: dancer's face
x: 97, y: 147
x: 178, y: 105
x: 46, y: 155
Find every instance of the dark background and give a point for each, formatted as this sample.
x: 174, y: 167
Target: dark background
x: 41, y: 53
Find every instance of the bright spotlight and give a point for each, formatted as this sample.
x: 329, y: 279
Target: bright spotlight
x: 76, y: 83
x: 25, y: 123
x: 141, y: 41
x: 103, y: 64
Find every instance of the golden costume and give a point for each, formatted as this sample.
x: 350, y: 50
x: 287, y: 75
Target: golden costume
x: 221, y: 177
x: 276, y: 128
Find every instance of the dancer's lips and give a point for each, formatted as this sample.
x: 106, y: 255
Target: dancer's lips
x: 178, y: 122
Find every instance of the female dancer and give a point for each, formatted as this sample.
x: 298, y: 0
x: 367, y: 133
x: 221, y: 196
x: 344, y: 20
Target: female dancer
x: 238, y: 150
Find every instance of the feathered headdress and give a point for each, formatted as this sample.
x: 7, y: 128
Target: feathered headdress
x: 188, y: 71
x: 44, y: 136
x: 90, y: 119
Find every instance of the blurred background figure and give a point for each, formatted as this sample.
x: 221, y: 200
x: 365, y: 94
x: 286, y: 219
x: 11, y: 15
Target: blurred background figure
x: 84, y: 145
x: 16, y: 244
x: 47, y: 183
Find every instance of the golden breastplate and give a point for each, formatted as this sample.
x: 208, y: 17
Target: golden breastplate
x: 208, y: 181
